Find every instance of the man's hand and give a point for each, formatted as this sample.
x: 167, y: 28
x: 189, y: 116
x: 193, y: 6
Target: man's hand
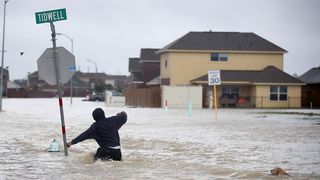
x: 69, y: 144
x: 122, y: 112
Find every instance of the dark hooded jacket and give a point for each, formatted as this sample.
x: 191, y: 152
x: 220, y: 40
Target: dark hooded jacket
x: 104, y: 130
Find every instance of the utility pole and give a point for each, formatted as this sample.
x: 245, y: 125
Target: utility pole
x: 2, y: 53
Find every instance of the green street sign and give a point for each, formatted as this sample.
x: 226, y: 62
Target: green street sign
x: 51, y: 16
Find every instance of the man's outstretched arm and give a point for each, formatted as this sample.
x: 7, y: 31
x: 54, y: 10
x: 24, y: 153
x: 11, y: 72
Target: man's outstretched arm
x: 121, y: 118
x: 88, y: 134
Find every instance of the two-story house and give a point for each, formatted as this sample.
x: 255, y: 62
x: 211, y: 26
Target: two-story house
x: 145, y: 70
x: 251, y: 69
x: 144, y: 83
x: 150, y: 64
x: 135, y: 78
x: 311, y: 92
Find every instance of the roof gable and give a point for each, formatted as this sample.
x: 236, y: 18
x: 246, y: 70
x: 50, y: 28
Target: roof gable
x: 91, y: 75
x: 33, y: 75
x: 155, y: 81
x: 312, y: 76
x: 272, y: 74
x: 134, y: 65
x: 78, y: 82
x: 118, y: 77
x: 12, y: 85
x: 149, y: 54
x: 223, y: 41
x: 237, y: 75
x: 269, y: 74
x: 5, y: 70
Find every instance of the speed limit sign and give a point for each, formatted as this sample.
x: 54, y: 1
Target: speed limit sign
x: 214, y: 77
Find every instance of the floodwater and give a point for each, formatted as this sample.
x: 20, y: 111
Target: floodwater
x: 160, y: 144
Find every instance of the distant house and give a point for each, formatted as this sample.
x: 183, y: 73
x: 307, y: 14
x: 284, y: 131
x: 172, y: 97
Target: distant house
x: 253, y: 87
x: 34, y: 81
x: 135, y: 70
x: 80, y: 88
x: 14, y: 89
x: 150, y: 64
x: 23, y: 83
x: 82, y: 85
x: 144, y: 84
x: 145, y: 70
x: 13, y: 85
x: 120, y: 81
x: 36, y: 87
x: 251, y: 69
x: 311, y: 92
x: 92, y: 78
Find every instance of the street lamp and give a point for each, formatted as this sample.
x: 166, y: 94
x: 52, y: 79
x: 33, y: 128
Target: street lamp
x: 89, y: 60
x: 71, y: 85
x: 95, y: 64
x: 71, y: 39
x: 2, y: 52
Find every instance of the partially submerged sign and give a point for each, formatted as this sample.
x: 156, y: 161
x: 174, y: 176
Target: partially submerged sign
x: 56, y: 65
x: 213, y: 80
x: 51, y: 16
x: 66, y: 65
x: 214, y: 77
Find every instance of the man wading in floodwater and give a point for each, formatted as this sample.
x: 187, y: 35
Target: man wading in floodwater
x: 105, y: 132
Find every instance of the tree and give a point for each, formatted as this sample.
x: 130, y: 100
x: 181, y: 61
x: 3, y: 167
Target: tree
x: 99, y: 87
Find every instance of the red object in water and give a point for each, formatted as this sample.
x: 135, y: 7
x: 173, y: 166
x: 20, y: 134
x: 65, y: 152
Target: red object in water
x: 242, y: 101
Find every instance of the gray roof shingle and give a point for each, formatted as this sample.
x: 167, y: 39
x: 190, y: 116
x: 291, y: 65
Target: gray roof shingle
x: 149, y: 54
x: 222, y: 41
x: 312, y: 76
x: 272, y: 74
x: 232, y: 75
x: 269, y: 74
x: 237, y: 75
x: 134, y: 65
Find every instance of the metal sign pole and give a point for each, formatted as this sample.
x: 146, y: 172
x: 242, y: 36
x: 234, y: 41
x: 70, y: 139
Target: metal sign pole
x: 215, y: 101
x: 55, y: 58
x: 214, y: 79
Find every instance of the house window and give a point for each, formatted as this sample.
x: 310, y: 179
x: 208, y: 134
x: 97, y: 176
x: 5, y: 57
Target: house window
x: 223, y: 57
x: 278, y: 93
x: 219, y: 57
x: 165, y: 81
x: 166, y: 63
x: 214, y: 56
x: 273, y: 93
x: 230, y: 91
x: 283, y: 93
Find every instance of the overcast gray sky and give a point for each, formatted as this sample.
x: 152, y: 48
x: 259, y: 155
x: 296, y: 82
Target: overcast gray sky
x: 110, y: 31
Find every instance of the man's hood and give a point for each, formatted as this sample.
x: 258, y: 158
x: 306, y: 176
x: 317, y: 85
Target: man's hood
x: 98, y: 114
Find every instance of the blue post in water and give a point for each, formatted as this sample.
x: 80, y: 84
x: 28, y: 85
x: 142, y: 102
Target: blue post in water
x: 190, y: 108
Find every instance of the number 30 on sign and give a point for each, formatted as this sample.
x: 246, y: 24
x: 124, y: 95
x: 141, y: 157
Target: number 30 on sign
x: 214, y: 77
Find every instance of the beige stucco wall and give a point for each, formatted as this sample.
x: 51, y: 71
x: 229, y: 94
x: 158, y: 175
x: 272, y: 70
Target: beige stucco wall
x: 295, y: 96
x: 245, y: 91
x: 262, y: 97
x: 180, y: 96
x: 164, y: 71
x: 185, y: 66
